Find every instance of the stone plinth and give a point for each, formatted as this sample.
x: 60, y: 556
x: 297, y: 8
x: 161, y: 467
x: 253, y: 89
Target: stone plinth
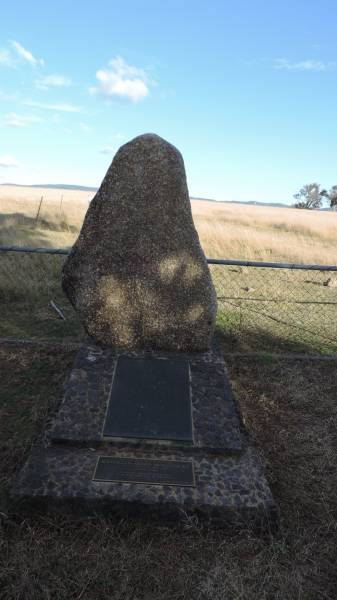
x: 216, y: 475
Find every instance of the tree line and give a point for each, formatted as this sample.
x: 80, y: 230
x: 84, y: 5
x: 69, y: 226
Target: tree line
x: 312, y: 195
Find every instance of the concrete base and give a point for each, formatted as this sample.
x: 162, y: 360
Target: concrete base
x: 229, y: 488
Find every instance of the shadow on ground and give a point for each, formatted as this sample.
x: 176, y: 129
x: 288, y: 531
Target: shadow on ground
x: 260, y: 340
x: 17, y: 221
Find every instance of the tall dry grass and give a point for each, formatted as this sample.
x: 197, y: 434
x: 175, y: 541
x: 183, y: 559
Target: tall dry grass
x: 60, y: 217
x: 266, y: 233
x: 226, y: 230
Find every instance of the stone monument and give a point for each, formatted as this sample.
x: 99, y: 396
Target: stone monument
x: 137, y: 274
x: 148, y: 423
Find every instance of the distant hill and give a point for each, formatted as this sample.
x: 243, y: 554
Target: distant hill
x: 250, y: 202
x: 56, y: 186
x: 83, y: 188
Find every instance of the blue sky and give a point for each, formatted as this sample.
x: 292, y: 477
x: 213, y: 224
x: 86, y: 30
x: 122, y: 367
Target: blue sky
x: 246, y: 89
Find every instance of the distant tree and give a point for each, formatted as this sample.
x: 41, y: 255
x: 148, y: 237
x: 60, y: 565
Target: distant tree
x: 310, y: 196
x: 332, y: 195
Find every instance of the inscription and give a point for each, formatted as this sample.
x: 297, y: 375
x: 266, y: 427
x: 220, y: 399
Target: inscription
x: 144, y: 470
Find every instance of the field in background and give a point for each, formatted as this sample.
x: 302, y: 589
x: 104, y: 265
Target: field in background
x: 60, y: 219
x: 266, y: 233
x: 266, y: 309
x: 226, y: 230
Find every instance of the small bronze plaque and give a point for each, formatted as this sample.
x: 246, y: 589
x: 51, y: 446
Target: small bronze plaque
x: 144, y: 470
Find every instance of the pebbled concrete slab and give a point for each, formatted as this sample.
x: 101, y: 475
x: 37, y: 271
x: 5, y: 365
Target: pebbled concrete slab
x: 228, y: 487
x: 230, y: 490
x: 216, y: 421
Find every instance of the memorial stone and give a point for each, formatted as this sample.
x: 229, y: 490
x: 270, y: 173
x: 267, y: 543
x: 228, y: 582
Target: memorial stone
x: 137, y: 274
x: 148, y: 424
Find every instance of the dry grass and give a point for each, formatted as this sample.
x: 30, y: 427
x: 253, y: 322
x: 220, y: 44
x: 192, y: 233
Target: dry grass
x: 58, y: 224
x: 25, y: 200
x: 290, y: 409
x: 266, y: 233
x: 226, y: 230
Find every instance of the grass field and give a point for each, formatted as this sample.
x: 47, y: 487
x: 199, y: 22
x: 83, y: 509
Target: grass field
x: 258, y: 308
x: 290, y: 409
x: 225, y: 229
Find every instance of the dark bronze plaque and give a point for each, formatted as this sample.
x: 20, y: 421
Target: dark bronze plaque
x: 150, y: 399
x: 144, y: 470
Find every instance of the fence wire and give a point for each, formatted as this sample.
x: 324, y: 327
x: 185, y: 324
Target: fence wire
x: 270, y: 308
x: 261, y: 306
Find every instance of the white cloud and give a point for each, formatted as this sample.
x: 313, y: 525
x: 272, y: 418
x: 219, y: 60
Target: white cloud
x: 15, y: 120
x: 62, y: 106
x: 303, y: 65
x: 122, y: 81
x: 108, y: 150
x: 26, y: 55
x: 7, y: 161
x: 44, y: 83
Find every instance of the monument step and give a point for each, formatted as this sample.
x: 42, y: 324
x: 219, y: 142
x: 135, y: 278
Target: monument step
x: 219, y: 490
x: 163, y: 397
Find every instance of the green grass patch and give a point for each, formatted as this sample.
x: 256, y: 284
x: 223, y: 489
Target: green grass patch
x: 28, y: 284
x: 259, y: 309
x: 262, y: 309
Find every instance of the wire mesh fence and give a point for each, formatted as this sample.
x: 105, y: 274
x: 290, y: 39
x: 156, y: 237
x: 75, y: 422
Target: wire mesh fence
x: 261, y: 307
x: 270, y: 308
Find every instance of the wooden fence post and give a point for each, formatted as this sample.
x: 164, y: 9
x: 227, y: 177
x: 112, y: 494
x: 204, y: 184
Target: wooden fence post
x: 38, y: 212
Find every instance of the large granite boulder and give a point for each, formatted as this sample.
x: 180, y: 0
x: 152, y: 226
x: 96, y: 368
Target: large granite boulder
x: 137, y: 274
